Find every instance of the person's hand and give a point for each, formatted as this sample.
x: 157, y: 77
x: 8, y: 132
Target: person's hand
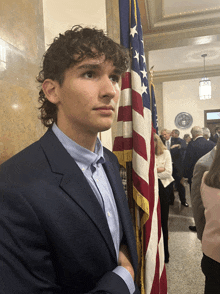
x: 160, y: 169
x: 124, y: 260
x: 175, y: 146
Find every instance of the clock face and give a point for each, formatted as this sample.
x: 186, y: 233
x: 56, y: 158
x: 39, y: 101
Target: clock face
x: 183, y: 120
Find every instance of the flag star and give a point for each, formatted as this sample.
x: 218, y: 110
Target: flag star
x: 144, y: 73
x: 143, y: 89
x: 144, y: 59
x: 133, y: 31
x: 136, y: 55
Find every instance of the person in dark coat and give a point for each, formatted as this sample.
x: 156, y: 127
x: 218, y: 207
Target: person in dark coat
x: 196, y: 148
x: 65, y: 225
x: 207, y: 135
x: 215, y: 137
x: 174, y: 145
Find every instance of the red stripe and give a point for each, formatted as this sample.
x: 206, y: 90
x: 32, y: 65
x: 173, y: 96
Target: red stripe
x: 151, y: 196
x: 159, y: 219
x: 163, y: 282
x: 121, y: 144
x: 139, y: 145
x: 156, y: 283
x: 140, y: 184
x: 125, y: 113
x: 137, y: 102
x: 126, y: 81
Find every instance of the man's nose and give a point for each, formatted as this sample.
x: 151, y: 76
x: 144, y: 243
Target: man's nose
x: 107, y: 88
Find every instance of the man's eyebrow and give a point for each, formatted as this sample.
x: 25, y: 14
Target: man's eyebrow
x: 97, y: 66
x: 89, y: 66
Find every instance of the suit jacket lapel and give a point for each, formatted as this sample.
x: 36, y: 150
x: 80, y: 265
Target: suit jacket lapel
x: 73, y: 182
x: 123, y: 209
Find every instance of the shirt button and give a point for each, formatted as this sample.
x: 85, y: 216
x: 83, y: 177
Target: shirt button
x: 83, y: 169
x: 108, y: 213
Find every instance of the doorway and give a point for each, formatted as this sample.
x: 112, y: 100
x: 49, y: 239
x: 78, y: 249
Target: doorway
x: 212, y: 119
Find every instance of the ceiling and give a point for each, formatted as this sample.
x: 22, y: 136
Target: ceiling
x: 177, y: 33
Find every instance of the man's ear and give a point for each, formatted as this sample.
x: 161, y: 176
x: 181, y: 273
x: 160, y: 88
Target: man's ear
x: 50, y: 88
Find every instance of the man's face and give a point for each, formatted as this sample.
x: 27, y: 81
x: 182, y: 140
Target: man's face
x: 88, y: 97
x: 174, y: 135
x: 163, y: 134
x: 167, y: 136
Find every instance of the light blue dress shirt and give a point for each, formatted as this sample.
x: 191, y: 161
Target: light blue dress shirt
x: 91, y: 165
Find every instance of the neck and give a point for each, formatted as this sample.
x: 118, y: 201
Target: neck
x: 86, y: 140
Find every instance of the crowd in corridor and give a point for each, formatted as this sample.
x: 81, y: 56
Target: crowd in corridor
x: 195, y: 159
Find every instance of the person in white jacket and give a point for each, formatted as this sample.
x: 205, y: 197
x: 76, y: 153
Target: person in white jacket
x: 163, y: 163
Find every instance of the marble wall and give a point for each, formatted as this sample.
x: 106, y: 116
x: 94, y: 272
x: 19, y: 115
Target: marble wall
x: 21, y: 50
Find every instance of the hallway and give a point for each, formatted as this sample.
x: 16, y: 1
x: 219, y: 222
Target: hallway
x: 184, y: 275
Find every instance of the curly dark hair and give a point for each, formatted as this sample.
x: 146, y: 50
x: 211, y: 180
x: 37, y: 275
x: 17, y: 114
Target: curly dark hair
x: 69, y: 49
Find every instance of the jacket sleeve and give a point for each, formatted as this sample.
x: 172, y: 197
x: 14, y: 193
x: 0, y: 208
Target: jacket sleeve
x: 196, y: 199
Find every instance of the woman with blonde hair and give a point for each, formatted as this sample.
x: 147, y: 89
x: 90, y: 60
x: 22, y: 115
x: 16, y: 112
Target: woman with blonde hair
x: 164, y: 171
x: 210, y: 193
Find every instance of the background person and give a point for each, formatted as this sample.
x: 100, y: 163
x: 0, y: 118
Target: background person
x: 215, y: 137
x: 207, y: 135
x: 165, y: 179
x: 210, y: 192
x: 196, y: 148
x: 187, y: 138
x: 202, y: 165
x: 174, y: 145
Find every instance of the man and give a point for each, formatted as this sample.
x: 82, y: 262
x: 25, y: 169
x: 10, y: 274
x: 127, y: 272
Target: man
x: 207, y: 135
x: 175, y: 134
x: 202, y: 165
x: 196, y: 148
x: 65, y: 225
x: 162, y: 135
x: 174, y: 145
x: 215, y: 137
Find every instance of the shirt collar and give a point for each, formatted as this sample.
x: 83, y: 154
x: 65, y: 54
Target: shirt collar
x: 198, y: 137
x: 83, y: 157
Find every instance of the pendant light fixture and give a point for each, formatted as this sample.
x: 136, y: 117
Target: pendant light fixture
x: 204, y: 85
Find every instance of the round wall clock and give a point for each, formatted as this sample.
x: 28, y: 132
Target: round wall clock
x: 183, y: 120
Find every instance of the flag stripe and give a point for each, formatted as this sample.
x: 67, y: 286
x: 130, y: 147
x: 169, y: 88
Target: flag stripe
x: 140, y: 144
x: 123, y: 144
x: 125, y: 113
x: 126, y: 81
x: 137, y: 102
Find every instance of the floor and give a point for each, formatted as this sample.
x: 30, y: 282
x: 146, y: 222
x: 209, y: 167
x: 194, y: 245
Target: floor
x: 184, y: 275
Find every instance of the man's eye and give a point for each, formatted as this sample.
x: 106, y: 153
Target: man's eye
x: 115, y: 78
x: 88, y: 74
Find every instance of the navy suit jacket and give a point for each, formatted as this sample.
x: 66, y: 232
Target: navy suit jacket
x: 195, y: 150
x: 177, y: 157
x: 54, y: 236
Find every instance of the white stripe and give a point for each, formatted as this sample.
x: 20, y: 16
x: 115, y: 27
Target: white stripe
x: 161, y: 254
x: 140, y: 166
x: 142, y: 126
x: 150, y: 257
x: 124, y: 129
x: 136, y: 82
x: 125, y: 97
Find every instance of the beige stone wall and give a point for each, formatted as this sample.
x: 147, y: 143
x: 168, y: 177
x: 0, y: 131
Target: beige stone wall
x: 21, y: 49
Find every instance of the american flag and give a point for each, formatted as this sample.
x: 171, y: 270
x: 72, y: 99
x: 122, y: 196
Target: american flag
x: 134, y: 142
